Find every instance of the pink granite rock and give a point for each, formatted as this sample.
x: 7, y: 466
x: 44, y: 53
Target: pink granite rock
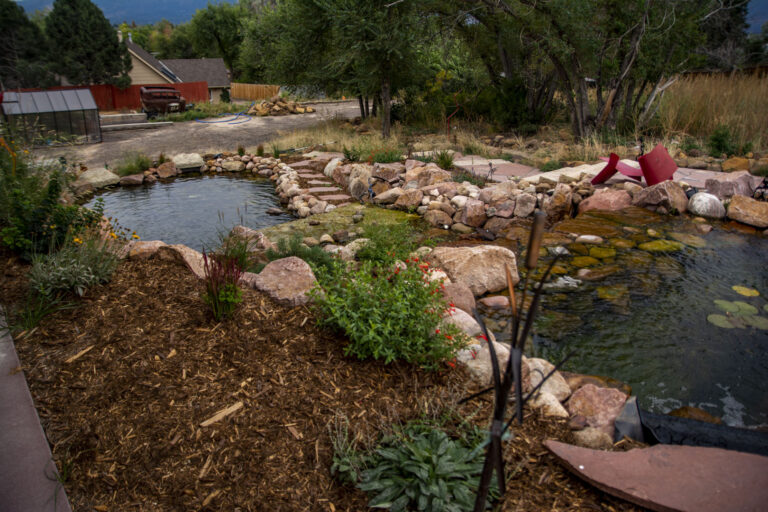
x: 144, y: 250
x: 459, y: 295
x: 287, y: 281
x: 438, y: 218
x: 480, y: 267
x: 409, y: 199
x: 473, y: 213
x: 185, y: 255
x: 667, y: 194
x: 609, y: 199
x: 748, y: 211
x: 600, y: 406
x: 167, y: 170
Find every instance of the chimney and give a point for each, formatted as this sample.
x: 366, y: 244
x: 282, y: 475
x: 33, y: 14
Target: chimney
x: 119, y: 36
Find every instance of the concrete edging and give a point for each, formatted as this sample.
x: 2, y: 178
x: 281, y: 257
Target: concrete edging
x: 28, y: 475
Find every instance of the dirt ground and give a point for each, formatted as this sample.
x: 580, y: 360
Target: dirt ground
x: 194, y: 137
x: 124, y: 382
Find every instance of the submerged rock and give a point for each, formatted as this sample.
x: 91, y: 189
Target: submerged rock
x: 661, y: 246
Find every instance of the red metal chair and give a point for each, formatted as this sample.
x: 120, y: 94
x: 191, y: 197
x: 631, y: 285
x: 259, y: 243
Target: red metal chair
x: 614, y: 166
x: 657, y: 165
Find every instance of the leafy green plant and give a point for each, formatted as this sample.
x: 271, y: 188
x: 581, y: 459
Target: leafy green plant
x: 240, y: 150
x: 352, y: 153
x: 462, y: 176
x: 132, y: 163
x: 385, y: 155
x: 79, y: 265
x: 348, y: 461
x: 444, y: 159
x: 423, y: 469
x: 221, y: 279
x: 690, y: 144
x: 389, y: 314
x: 721, y: 142
x: 387, y: 244
x: 35, y: 308
x: 260, y: 150
x: 275, y: 151
x: 552, y: 165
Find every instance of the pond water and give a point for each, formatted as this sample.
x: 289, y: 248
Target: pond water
x: 193, y: 209
x: 645, y: 323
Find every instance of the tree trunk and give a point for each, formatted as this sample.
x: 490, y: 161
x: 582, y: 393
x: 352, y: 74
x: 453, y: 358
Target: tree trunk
x: 362, y: 108
x: 375, y: 109
x: 367, y: 110
x: 386, y: 108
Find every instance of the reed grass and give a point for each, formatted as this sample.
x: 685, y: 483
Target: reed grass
x: 696, y: 106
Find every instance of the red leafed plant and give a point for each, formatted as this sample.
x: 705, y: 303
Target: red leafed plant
x: 222, y: 293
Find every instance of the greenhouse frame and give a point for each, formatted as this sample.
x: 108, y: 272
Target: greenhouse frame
x: 46, y: 118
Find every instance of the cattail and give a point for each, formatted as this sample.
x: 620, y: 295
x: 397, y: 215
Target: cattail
x: 534, y: 242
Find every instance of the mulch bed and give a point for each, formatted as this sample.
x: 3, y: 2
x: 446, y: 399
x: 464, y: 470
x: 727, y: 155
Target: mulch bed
x: 123, y: 382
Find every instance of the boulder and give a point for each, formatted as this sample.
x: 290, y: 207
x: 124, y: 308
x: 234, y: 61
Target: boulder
x: 599, y: 405
x: 419, y: 177
x: 525, y: 204
x: 257, y: 241
x: 667, y: 194
x: 609, y: 199
x: 735, y: 164
x: 480, y: 367
x: 438, y: 218
x: 144, y: 250
x: 132, y: 180
x: 706, y: 205
x: 188, y: 162
x: 558, y: 205
x: 444, y: 188
x: 549, y: 405
x: 460, y: 295
x: 331, y: 166
x: 349, y: 251
x: 497, y: 224
x: 555, y: 385
x: 358, y: 188
x: 233, y: 165
x: 184, y: 255
x: 445, y: 207
x: 464, y: 321
x: 287, y: 281
x: 495, y: 302
x: 389, y: 197
x: 473, y: 213
x: 409, y: 199
x: 462, y: 229
x: 167, y: 170
x: 388, y: 172
x: 480, y: 267
x: 593, y: 438
x: 95, y: 179
x: 748, y: 211
x: 739, y: 183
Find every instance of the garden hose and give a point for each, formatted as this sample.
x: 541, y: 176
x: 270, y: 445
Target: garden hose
x: 233, y: 120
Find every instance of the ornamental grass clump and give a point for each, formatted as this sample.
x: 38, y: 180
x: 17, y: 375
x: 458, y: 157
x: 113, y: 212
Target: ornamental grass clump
x: 222, y: 293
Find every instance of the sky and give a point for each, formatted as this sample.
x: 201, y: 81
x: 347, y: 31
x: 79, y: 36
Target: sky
x: 179, y: 11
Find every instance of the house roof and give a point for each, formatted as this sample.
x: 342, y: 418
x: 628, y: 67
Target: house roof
x: 152, y: 62
x: 213, y: 71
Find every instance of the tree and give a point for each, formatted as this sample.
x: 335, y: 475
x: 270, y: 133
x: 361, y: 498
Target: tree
x: 217, y: 31
x: 85, y: 44
x: 726, y: 30
x: 23, y: 49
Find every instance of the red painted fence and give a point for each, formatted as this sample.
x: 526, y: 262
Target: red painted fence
x: 109, y: 97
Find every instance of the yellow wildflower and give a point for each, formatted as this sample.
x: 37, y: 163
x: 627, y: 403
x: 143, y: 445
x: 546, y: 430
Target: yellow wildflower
x: 113, y: 235
x: 135, y: 236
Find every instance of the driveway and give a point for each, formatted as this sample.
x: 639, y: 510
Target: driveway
x: 194, y: 137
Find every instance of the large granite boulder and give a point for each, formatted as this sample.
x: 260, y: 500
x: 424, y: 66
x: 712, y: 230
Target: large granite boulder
x: 438, y: 218
x: 480, y: 267
x: 188, y: 162
x: 555, y: 384
x: 666, y: 195
x: 706, y: 205
x: 464, y: 322
x: 184, y: 255
x: 609, y: 199
x: 460, y: 295
x: 389, y: 197
x: 94, y: 180
x: 558, y: 205
x: 473, y: 213
x: 749, y: 211
x: 331, y: 166
x: 287, y: 281
x: 525, y: 204
x: 233, y: 165
x: 167, y: 170
x: 425, y: 176
x: 144, y: 250
x: 740, y: 183
x: 410, y: 199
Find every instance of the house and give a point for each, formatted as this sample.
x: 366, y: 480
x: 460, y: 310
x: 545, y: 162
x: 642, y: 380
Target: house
x: 149, y: 70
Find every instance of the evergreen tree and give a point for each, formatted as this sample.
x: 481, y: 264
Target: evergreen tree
x: 85, y: 46
x: 22, y: 49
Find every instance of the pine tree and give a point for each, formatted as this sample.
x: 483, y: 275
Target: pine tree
x: 85, y: 49
x: 22, y: 49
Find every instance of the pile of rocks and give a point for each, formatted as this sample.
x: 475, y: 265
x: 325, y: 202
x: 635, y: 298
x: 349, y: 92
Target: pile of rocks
x: 278, y: 107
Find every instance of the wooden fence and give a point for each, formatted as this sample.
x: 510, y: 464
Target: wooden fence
x: 253, y: 92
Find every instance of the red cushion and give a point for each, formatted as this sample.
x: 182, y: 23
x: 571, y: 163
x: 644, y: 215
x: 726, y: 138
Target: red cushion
x: 657, y: 165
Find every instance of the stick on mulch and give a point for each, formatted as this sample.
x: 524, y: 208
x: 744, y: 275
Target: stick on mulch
x: 154, y: 406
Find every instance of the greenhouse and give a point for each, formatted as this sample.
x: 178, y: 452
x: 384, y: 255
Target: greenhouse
x: 45, y: 118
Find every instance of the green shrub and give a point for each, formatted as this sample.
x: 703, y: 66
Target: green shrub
x: 552, y: 165
x: 323, y: 264
x: 388, y: 243
x: 260, y: 150
x: 240, y: 150
x: 385, y: 155
x: 353, y: 153
x: 444, y: 159
x: 689, y: 144
x: 423, y: 469
x: 721, y: 142
x: 474, y: 179
x: 348, y: 461
x: 132, y: 163
x: 235, y: 248
x: 222, y: 293
x: 35, y: 308
x: 275, y: 151
x: 32, y: 218
x: 389, y: 314
x: 77, y: 266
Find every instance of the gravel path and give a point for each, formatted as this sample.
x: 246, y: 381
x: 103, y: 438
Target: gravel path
x: 193, y: 137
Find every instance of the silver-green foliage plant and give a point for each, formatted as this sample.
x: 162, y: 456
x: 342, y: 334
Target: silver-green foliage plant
x: 424, y: 469
x: 74, y: 268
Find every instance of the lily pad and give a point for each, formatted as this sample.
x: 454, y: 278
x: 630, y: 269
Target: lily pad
x: 747, y: 292
x: 720, y: 321
x: 661, y: 246
x: 744, y: 308
x: 727, y: 306
x: 759, y: 322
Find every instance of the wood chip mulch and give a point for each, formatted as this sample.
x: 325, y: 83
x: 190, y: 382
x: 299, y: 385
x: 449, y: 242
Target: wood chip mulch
x: 148, y: 404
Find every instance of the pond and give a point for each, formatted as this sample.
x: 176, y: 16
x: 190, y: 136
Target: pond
x: 193, y: 209
x: 646, y: 321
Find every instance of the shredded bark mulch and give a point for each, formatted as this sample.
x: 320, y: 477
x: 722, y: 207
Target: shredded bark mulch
x: 149, y: 404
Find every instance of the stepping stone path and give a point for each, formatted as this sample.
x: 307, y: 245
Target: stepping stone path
x: 317, y: 184
x: 502, y: 169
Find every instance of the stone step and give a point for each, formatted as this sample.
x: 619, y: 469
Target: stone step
x: 334, y: 197
x: 320, y: 182
x: 311, y: 175
x: 320, y: 190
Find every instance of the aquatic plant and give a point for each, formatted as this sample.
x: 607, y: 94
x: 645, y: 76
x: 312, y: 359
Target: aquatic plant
x: 739, y: 314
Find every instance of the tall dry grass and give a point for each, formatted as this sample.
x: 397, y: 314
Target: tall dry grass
x: 697, y: 105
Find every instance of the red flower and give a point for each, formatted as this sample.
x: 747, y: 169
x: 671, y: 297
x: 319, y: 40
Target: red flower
x: 482, y: 336
x: 416, y: 259
x: 452, y: 363
x: 448, y: 337
x: 437, y: 331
